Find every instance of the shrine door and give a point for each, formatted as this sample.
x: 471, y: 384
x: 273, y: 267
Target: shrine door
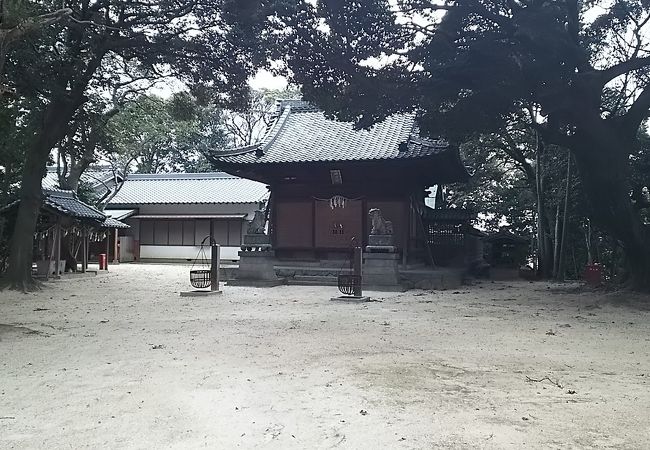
x: 336, y: 225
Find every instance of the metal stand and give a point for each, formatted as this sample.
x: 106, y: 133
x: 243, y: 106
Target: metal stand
x: 358, y: 259
x: 214, y: 275
x: 214, y: 267
x: 357, y: 277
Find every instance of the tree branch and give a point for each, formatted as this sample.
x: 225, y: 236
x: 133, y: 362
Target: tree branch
x: 637, y: 113
x: 622, y: 68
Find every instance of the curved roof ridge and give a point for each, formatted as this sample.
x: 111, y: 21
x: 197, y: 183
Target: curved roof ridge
x: 237, y: 151
x: 180, y: 176
x: 274, y: 132
x: 297, y: 105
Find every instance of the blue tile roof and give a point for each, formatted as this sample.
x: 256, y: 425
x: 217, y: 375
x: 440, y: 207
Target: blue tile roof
x: 188, y: 188
x: 67, y: 203
x: 302, y: 133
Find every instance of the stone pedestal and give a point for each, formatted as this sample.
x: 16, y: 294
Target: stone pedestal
x: 261, y: 242
x: 200, y: 293
x: 381, y: 269
x: 256, y: 269
x: 380, y: 243
x: 48, y: 268
x: 350, y: 299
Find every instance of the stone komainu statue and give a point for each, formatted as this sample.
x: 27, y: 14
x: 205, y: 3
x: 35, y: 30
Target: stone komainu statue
x: 379, y: 225
x: 257, y: 225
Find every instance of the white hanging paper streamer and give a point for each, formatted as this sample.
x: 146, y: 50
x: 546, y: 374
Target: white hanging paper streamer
x: 338, y: 201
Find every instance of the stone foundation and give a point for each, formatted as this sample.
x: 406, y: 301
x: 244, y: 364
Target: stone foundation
x: 381, y: 269
x: 260, y: 242
x: 256, y: 269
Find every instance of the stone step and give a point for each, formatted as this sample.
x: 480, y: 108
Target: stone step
x: 293, y: 271
x: 325, y: 263
x: 310, y: 280
x: 440, y: 278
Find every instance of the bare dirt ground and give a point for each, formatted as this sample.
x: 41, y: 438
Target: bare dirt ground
x: 121, y: 361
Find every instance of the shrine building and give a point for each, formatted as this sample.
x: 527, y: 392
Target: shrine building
x: 325, y: 176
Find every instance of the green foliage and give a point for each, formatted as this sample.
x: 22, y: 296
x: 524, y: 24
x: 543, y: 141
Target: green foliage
x: 576, y: 71
x: 7, y: 221
x: 87, y: 193
x: 468, y: 70
x: 117, y: 48
x: 165, y: 135
x: 17, y: 128
x: 498, y: 190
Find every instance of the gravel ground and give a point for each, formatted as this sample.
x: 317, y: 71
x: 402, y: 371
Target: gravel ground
x: 122, y: 361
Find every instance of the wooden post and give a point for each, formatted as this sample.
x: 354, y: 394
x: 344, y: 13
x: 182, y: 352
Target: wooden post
x: 49, y: 247
x: 57, y: 249
x: 84, y: 250
x: 108, y: 248
x: 357, y: 267
x: 214, y: 267
x: 115, y: 247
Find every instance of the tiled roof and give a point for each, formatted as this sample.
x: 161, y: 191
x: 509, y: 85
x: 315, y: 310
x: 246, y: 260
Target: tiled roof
x: 188, y: 188
x: 120, y: 214
x: 109, y: 222
x: 67, y: 203
x: 94, y: 176
x: 302, y: 133
x: 504, y: 235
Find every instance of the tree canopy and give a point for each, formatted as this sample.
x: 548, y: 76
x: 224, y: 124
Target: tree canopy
x: 577, y: 70
x: 106, y: 47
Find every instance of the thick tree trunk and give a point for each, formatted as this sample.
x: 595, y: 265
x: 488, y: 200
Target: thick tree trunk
x: 71, y: 181
x: 604, y: 172
x: 57, y: 116
x: 544, y: 245
x: 561, y: 271
x: 556, y: 243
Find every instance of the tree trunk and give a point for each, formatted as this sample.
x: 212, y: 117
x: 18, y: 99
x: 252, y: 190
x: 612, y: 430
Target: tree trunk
x: 57, y: 116
x: 590, y: 255
x: 565, y: 223
x: 71, y: 181
x: 556, y: 243
x: 604, y: 172
x: 544, y: 255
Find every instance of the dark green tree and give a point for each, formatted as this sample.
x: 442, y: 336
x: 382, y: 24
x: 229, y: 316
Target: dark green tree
x: 165, y: 135
x: 19, y: 19
x: 578, y: 69
x: 196, y: 41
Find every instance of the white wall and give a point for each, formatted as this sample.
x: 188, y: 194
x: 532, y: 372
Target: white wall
x: 184, y: 252
x: 234, y: 208
x: 187, y: 252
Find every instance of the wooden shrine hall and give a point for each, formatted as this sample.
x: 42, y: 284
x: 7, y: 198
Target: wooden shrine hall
x: 325, y: 176
x: 66, y: 230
